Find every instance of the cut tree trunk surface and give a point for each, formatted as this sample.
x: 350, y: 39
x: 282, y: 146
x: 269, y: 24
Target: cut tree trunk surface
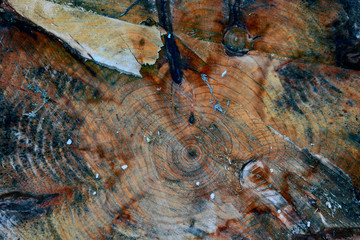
x: 229, y: 120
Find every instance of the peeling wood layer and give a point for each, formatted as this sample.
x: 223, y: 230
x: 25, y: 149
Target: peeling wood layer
x: 111, y: 42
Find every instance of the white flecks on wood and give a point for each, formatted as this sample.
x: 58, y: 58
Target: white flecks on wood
x: 212, y: 196
x: 124, y: 167
x: 285, y: 138
x: 218, y: 107
x: 69, y: 142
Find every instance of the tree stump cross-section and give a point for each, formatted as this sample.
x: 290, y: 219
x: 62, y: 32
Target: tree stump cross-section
x: 186, y: 119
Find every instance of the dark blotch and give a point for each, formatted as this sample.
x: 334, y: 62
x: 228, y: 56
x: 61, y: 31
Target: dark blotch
x: 331, y: 233
x: 8, y: 121
x: 192, y: 223
x: 304, y: 84
x: 355, y: 137
x: 192, y: 118
x: 96, y: 93
x: 192, y: 153
x: 142, y: 42
x: 344, y: 36
x: 23, y: 201
x: 21, y: 206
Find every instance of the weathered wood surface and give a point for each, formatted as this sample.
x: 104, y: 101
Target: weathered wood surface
x: 246, y: 127
x: 113, y: 43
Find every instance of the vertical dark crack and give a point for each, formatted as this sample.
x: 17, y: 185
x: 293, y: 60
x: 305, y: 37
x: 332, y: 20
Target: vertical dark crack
x: 236, y: 15
x: 171, y: 50
x: 192, y: 118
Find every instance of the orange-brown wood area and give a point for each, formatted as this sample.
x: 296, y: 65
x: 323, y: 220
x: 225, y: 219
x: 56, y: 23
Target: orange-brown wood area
x: 246, y: 127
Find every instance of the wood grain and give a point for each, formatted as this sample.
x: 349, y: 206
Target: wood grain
x: 230, y: 135
x: 113, y: 43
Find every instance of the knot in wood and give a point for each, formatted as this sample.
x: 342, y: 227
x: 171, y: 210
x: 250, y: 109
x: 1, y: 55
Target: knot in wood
x: 236, y: 41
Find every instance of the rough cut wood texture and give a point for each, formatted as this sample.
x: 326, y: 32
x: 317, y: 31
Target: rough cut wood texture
x: 246, y: 127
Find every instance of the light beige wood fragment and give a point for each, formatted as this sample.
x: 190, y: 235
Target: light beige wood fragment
x: 111, y: 42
